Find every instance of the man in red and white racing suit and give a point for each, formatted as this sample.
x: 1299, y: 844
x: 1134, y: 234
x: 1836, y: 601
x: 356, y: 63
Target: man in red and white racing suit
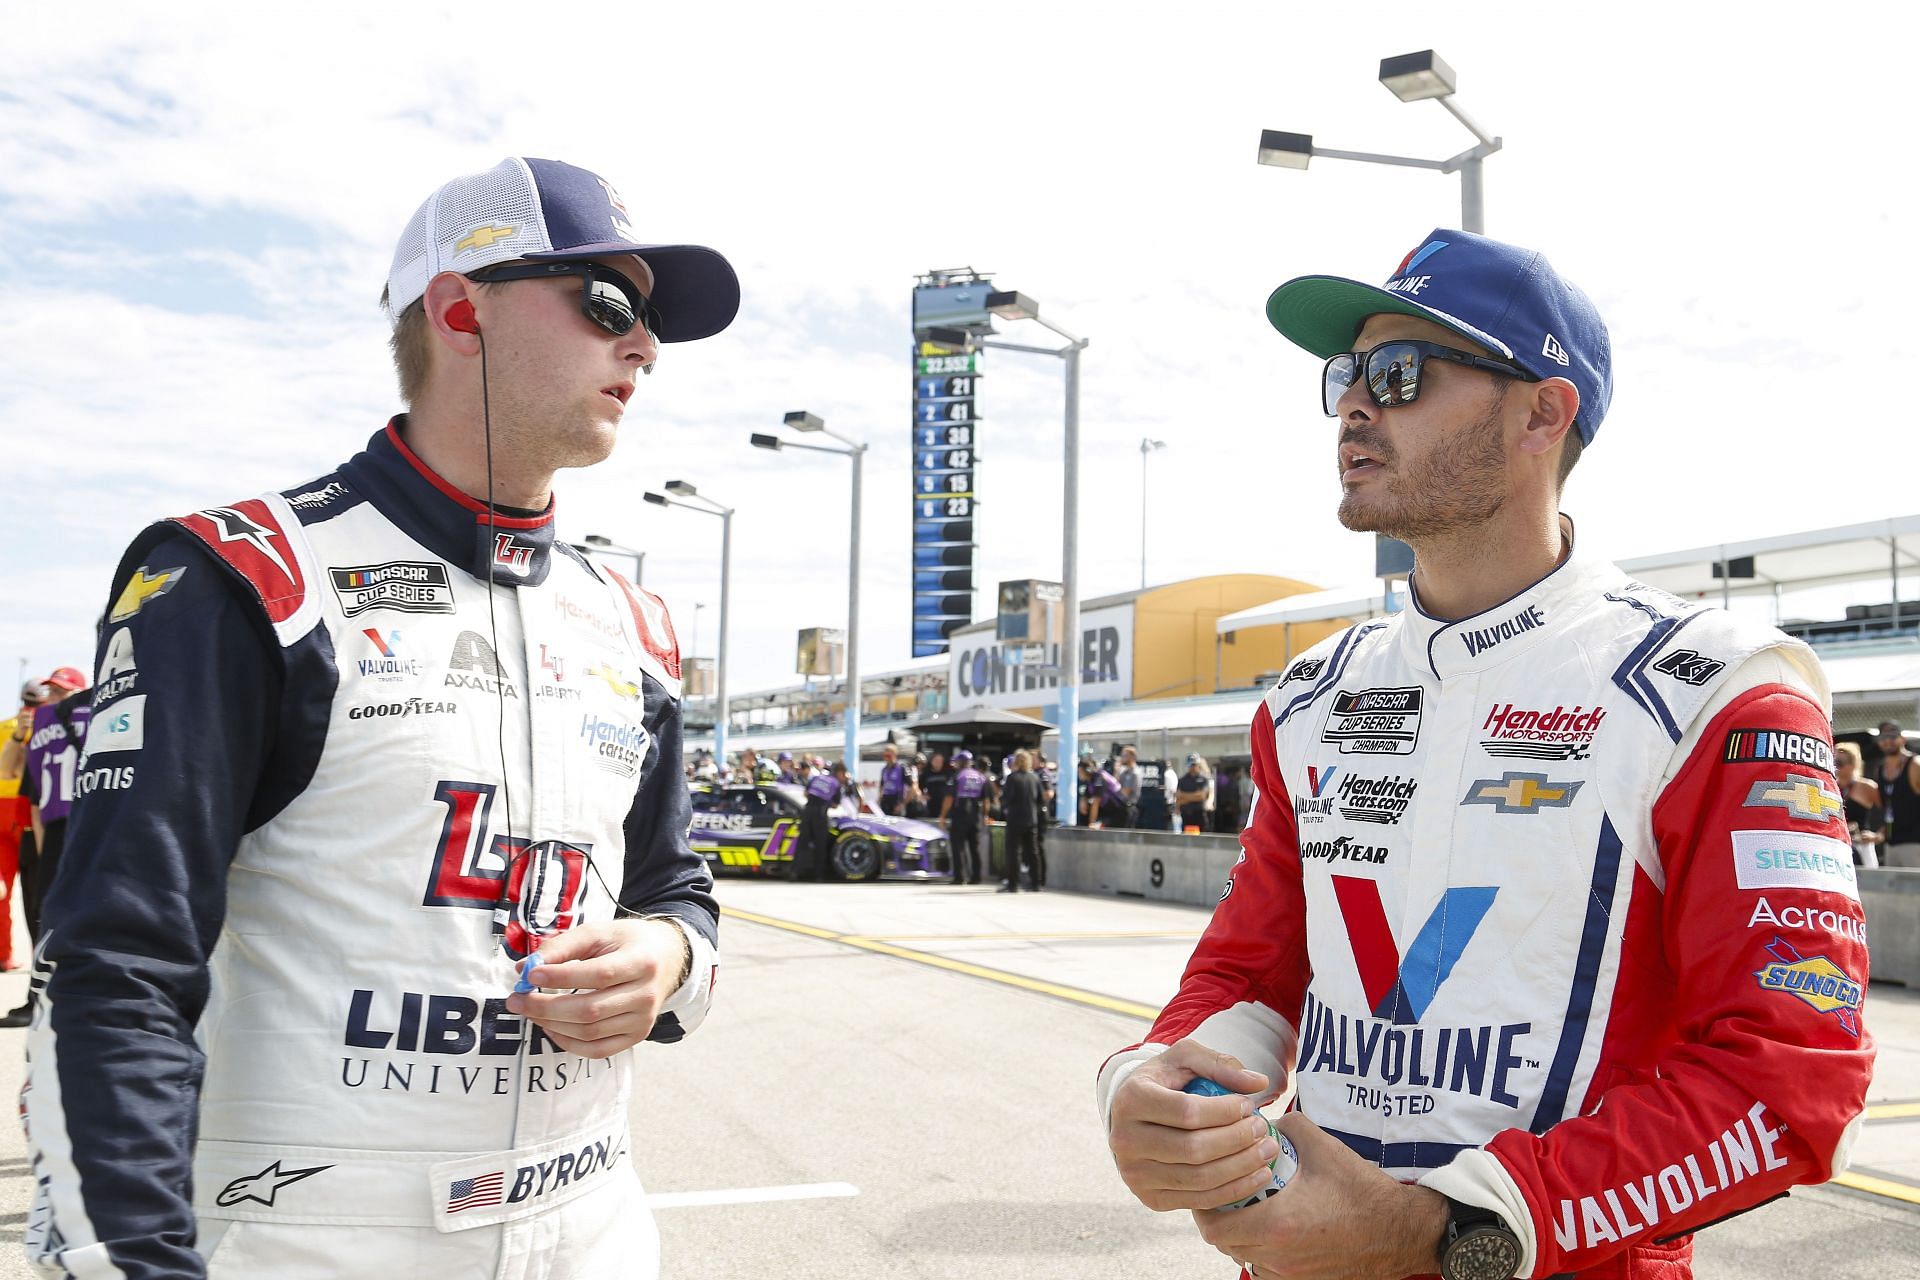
x: 1546, y: 909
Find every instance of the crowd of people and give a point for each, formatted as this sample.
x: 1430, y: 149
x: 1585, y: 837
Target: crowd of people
x: 39, y: 760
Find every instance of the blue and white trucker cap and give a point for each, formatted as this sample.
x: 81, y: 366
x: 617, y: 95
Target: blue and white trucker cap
x: 546, y: 211
x: 1507, y: 299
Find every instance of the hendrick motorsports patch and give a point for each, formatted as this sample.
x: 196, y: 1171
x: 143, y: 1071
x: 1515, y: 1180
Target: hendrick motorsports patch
x: 410, y: 586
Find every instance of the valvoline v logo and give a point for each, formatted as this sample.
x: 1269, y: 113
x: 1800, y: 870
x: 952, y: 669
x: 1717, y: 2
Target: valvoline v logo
x: 1401, y: 987
x: 1413, y: 260
x: 1319, y: 779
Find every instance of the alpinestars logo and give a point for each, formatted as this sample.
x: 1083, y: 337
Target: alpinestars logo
x: 1553, y: 351
x: 231, y: 526
x: 263, y: 1186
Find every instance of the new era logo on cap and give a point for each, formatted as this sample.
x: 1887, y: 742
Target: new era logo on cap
x: 1553, y: 351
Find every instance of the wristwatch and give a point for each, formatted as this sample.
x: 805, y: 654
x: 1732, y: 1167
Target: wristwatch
x: 1479, y: 1245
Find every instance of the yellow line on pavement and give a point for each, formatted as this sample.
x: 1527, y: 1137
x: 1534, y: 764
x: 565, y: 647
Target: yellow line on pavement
x: 1054, y: 989
x: 1879, y: 1186
x: 1894, y: 1111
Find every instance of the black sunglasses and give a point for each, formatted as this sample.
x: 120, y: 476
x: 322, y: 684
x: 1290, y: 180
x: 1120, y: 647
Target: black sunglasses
x: 607, y: 298
x: 1392, y: 371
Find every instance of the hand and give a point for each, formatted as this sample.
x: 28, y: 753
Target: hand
x: 1179, y: 1150
x: 604, y: 984
x: 1339, y: 1217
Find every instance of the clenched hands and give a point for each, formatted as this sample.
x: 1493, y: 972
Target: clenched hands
x: 603, y: 984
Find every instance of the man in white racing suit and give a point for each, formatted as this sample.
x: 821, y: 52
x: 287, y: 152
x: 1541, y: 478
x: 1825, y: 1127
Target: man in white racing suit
x: 379, y: 864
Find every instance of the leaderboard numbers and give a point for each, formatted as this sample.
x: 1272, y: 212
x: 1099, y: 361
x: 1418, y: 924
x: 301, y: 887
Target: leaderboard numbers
x: 947, y: 508
x: 944, y: 454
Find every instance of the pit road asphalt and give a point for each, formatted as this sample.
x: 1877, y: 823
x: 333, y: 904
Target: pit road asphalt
x: 897, y: 1082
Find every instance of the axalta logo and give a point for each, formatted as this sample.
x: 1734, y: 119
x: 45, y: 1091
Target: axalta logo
x: 1387, y: 1050
x: 474, y: 665
x: 1522, y: 733
x: 117, y: 670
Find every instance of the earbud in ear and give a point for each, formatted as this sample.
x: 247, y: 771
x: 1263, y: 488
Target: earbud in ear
x: 460, y: 317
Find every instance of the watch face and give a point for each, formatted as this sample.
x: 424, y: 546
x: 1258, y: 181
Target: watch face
x: 1482, y: 1253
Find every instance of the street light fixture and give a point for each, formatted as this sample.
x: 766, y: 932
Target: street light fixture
x: 1010, y: 304
x: 801, y: 420
x: 609, y: 545
x: 1148, y: 447
x: 681, y: 489
x: 1412, y: 77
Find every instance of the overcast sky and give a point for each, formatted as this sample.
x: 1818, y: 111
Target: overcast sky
x: 201, y: 203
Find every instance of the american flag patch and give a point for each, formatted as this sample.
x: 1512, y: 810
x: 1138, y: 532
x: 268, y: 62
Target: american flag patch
x: 474, y: 1193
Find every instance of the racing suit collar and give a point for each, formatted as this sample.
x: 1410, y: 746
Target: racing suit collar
x: 1508, y: 629
x: 514, y: 548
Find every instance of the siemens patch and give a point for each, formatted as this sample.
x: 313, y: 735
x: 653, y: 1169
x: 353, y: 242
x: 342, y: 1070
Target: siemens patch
x: 1793, y: 860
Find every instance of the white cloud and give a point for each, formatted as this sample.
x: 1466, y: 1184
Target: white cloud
x: 1734, y: 225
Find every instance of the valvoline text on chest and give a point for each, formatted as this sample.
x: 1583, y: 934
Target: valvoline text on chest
x: 1476, y: 1061
x: 1480, y: 639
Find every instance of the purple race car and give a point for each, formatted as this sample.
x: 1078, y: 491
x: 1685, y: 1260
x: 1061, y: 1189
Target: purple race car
x: 754, y: 828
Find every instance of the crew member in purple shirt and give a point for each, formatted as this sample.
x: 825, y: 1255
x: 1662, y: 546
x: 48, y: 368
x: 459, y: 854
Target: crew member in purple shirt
x: 895, y: 779
x: 54, y: 751
x: 961, y: 816
x: 816, y: 828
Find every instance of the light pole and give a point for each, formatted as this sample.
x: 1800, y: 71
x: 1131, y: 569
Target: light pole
x: 1148, y: 447
x: 1412, y: 77
x: 801, y: 420
x: 1011, y: 305
x: 609, y: 545
x: 681, y: 490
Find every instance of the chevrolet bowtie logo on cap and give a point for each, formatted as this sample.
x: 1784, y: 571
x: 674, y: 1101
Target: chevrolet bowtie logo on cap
x: 483, y: 238
x: 1522, y: 793
x: 1803, y: 796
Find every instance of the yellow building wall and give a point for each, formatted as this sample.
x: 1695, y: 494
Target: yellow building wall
x: 1174, y: 640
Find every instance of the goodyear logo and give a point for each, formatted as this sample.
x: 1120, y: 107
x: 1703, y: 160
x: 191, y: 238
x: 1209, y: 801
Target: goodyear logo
x: 1521, y: 793
x: 1815, y: 980
x: 1801, y: 795
x: 483, y: 238
x: 143, y: 586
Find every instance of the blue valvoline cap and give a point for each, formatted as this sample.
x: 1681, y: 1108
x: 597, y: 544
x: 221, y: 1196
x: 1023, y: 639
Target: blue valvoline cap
x: 1508, y: 299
